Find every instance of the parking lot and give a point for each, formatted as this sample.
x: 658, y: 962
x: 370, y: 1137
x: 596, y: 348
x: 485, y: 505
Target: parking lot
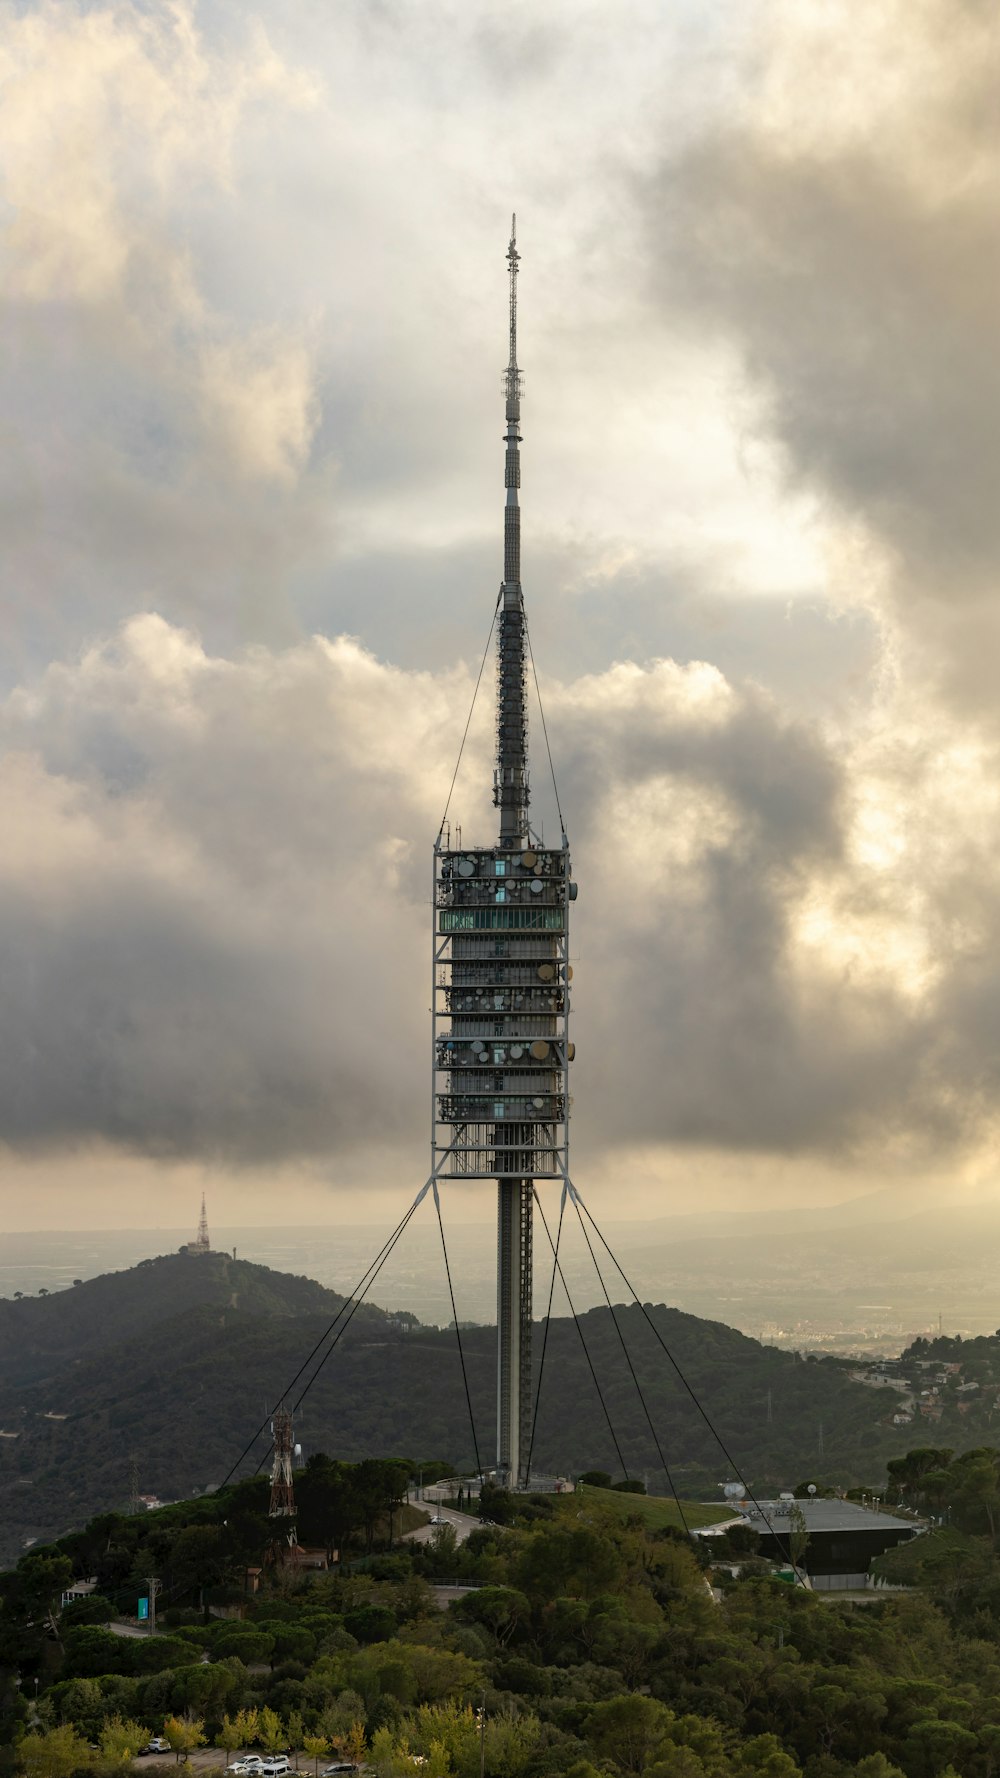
x: 213, y: 1759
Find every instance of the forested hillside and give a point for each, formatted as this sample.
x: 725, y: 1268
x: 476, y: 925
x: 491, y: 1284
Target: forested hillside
x: 177, y: 1359
x: 593, y: 1645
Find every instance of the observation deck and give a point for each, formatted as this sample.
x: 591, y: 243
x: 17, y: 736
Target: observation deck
x: 501, y: 1005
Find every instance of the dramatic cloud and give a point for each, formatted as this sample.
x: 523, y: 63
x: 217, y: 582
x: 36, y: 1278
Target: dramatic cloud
x: 214, y: 888
x: 845, y: 237
x: 250, y: 510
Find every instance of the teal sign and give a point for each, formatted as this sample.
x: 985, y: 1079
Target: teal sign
x: 143, y: 1610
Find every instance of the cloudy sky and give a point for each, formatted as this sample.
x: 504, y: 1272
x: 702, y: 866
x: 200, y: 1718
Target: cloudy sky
x: 253, y: 322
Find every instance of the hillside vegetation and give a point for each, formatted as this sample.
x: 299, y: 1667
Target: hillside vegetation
x: 592, y: 1647
x: 178, y: 1358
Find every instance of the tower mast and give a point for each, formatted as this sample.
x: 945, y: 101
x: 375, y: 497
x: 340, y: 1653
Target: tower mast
x: 511, y: 795
x: 500, y: 1007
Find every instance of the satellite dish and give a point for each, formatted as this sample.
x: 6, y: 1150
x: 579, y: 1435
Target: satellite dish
x: 733, y: 1490
x: 466, y: 867
x: 536, y: 888
x: 538, y: 1103
x: 539, y: 1050
x: 811, y: 1488
x: 569, y: 972
x: 539, y: 870
x: 528, y: 857
x: 545, y: 972
x: 572, y: 891
x: 516, y: 1052
x: 478, y: 1048
x: 570, y: 1051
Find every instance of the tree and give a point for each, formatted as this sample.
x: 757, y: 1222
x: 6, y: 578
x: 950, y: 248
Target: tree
x: 248, y: 1724
x: 798, y: 1535
x: 230, y: 1736
x: 629, y: 1729
x: 55, y: 1754
x: 183, y: 1735
x: 355, y: 1743
x: 315, y: 1747
x: 121, y: 1739
x: 271, y: 1731
x: 499, y: 1609
x: 764, y: 1757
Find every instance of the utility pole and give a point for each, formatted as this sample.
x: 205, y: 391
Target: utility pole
x: 154, y: 1586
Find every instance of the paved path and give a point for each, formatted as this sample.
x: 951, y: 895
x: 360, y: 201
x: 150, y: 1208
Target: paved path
x: 463, y: 1523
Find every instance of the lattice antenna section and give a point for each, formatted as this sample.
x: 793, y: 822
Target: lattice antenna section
x: 282, y: 1503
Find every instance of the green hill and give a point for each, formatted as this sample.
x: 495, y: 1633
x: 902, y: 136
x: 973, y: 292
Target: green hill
x: 38, y: 1334
x: 178, y: 1359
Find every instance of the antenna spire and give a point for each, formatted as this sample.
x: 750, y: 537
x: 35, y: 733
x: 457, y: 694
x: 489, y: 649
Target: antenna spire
x: 510, y: 792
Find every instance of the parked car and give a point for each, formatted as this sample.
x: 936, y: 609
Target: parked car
x: 341, y: 1766
x: 274, y: 1768
x: 155, y: 1745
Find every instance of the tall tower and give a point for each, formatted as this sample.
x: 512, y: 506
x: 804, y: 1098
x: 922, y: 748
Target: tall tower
x: 202, y: 1241
x: 501, y: 996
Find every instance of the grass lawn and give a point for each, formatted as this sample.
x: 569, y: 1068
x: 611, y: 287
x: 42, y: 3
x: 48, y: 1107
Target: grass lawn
x: 653, y: 1508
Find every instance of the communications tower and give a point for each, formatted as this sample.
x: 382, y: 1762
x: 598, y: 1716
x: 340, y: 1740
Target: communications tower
x: 500, y: 1005
x: 282, y: 1502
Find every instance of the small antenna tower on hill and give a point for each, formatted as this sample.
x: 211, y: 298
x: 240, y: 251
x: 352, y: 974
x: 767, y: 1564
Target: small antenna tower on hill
x: 282, y: 1505
x: 202, y: 1242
